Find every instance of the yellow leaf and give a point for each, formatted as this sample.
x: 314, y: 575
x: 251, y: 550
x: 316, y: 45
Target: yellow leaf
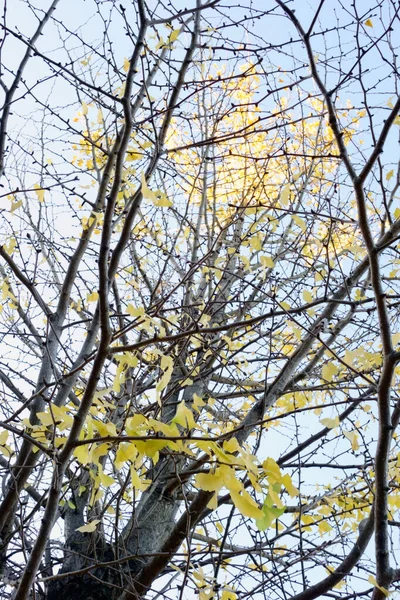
x: 285, y: 195
x: 134, y: 311
x: 15, y: 205
x: 274, y: 496
x: 267, y: 262
x: 7, y: 451
x: 83, y: 454
x: 299, y: 222
x: 324, y: 527
x: 126, y: 65
x: 56, y: 416
x: 136, y: 425
x: 132, y: 155
x: 199, y: 576
x: 328, y: 371
x: 105, y: 429
x: 213, y: 502
x: 9, y: 248
x: 93, y: 297
x: 125, y: 452
x: 137, y: 483
x: 84, y: 108
x: 167, y: 367
x: 226, y: 459
x: 151, y: 448
x: 90, y: 527
x: 146, y: 191
x: 228, y: 595
x: 106, y: 480
x: 162, y: 200
x: 184, y: 416
x: 353, y: 439
x: 287, y: 482
x: 231, y: 446
x: 160, y: 44
x: 372, y: 581
x: 307, y: 296
x: 368, y: 23
x: 174, y: 35
x: 330, y: 423
x: 246, y: 505
x: 98, y: 452
x: 209, y: 482
x: 99, y: 116
x: 39, y: 192
x: 219, y: 527
x: 256, y: 243
x: 118, y: 379
x: 389, y: 175
x: 397, y: 213
x: 3, y: 437
x: 272, y: 471
x: 198, y: 402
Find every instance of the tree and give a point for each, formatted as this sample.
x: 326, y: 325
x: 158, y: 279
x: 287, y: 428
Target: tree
x: 199, y: 273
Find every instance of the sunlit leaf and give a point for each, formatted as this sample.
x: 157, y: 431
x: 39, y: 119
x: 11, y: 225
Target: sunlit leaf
x: 287, y: 482
x: 330, y: 423
x: 267, y: 262
x: 329, y: 370
x: 372, y: 581
x: 272, y: 471
x: 324, y: 527
x: 173, y: 36
x: 106, y: 480
x: 90, y: 527
x: 146, y: 191
x: 15, y: 205
x: 138, y: 483
x: 184, y: 416
x: 210, y: 482
x: 39, y: 192
x: 300, y: 222
x: 83, y: 454
x: 246, y: 505
x: 353, y: 439
x: 127, y: 451
x: 285, y: 195
x: 228, y: 595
